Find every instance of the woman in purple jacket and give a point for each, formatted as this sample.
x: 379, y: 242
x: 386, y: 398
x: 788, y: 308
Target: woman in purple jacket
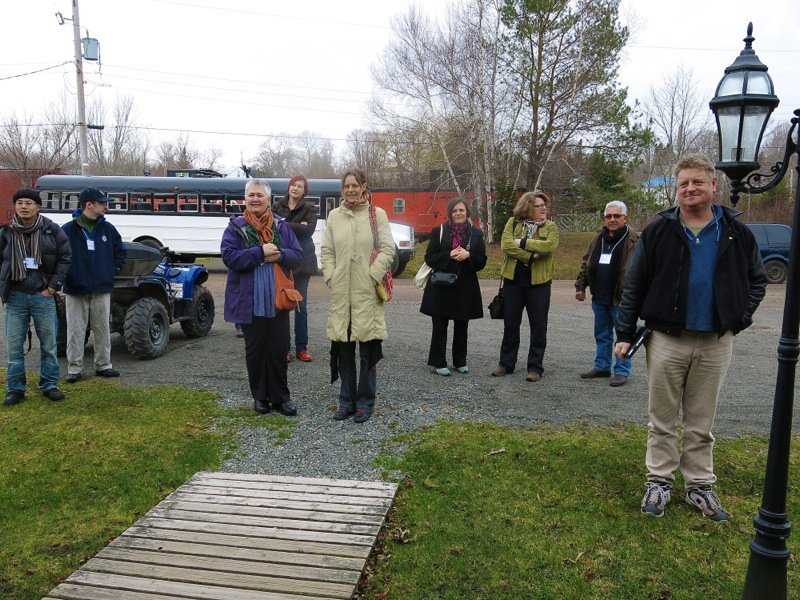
x: 250, y: 245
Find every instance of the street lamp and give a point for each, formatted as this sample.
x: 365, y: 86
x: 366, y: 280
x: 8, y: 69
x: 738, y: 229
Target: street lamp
x: 743, y: 103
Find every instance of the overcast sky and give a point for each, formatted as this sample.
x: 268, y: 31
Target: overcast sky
x: 228, y: 73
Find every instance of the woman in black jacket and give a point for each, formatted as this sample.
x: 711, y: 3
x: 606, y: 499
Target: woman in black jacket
x: 302, y: 218
x: 454, y: 247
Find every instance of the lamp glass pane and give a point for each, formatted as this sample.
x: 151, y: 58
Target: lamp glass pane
x: 758, y: 82
x: 754, y: 121
x: 731, y: 84
x: 729, y: 132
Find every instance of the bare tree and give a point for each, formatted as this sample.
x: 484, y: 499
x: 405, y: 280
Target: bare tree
x: 681, y: 122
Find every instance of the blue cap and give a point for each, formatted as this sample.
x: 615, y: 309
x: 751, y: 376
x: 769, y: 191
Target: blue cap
x: 92, y: 195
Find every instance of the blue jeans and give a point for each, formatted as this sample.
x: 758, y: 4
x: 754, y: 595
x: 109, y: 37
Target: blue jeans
x: 605, y: 320
x: 301, y: 315
x: 20, y: 309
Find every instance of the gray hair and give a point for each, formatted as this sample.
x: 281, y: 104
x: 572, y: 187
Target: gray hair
x: 618, y: 204
x: 258, y: 183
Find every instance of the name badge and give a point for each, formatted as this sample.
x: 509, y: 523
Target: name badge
x: 90, y: 245
x: 30, y: 263
x: 605, y: 259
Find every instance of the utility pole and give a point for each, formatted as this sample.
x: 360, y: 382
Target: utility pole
x: 76, y: 32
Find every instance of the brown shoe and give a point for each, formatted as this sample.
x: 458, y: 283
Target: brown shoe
x: 618, y: 381
x: 594, y: 373
x: 500, y: 371
x: 533, y: 376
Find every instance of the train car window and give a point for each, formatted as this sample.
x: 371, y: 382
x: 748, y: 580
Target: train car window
x: 187, y: 203
x: 70, y: 201
x: 398, y: 205
x: 50, y: 200
x: 117, y: 202
x: 211, y: 203
x: 141, y: 202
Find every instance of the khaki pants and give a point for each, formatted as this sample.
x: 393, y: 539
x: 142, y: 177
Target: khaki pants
x: 82, y: 310
x: 685, y: 376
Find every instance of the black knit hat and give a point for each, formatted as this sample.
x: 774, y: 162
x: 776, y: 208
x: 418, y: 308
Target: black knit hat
x: 29, y: 194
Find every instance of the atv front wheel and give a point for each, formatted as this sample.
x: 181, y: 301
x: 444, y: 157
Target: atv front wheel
x: 202, y: 317
x: 146, y: 329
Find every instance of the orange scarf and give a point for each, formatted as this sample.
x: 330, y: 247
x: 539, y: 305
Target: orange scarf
x: 262, y: 224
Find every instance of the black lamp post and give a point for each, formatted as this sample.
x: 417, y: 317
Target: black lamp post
x: 743, y: 103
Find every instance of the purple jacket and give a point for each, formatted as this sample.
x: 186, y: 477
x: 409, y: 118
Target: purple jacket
x: 242, y: 261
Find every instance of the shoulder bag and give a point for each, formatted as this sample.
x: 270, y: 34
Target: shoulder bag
x: 385, y: 287
x: 286, y: 296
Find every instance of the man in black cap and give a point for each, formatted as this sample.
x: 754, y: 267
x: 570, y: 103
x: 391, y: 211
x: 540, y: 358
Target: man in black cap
x: 34, y: 259
x: 97, y: 256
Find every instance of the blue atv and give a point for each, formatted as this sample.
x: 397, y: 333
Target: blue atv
x: 150, y: 293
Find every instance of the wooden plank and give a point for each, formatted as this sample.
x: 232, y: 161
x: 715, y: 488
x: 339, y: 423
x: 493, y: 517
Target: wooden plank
x: 230, y: 536
x: 353, y: 483
x: 384, y: 503
x: 260, y: 502
x: 345, y: 540
x: 206, y: 546
x: 224, y: 537
x: 263, y: 583
x: 229, y: 565
x: 176, y: 588
x: 296, y: 488
x: 164, y: 511
x: 71, y: 591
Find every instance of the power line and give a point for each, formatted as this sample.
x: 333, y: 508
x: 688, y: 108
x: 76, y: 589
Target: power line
x: 35, y: 72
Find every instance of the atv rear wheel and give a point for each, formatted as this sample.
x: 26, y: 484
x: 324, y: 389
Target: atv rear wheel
x: 146, y: 330
x: 202, y: 318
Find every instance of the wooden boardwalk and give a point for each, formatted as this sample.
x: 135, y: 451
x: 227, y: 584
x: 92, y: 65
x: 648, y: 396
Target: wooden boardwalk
x: 241, y: 537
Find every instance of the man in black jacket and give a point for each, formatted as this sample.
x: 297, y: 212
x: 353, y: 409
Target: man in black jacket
x: 696, y: 278
x: 34, y: 260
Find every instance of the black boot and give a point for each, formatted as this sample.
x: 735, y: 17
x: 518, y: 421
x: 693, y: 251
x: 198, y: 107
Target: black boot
x: 261, y: 407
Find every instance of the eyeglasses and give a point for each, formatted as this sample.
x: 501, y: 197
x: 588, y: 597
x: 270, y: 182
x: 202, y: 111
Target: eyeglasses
x: 613, y: 216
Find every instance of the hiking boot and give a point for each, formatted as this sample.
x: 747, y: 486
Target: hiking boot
x: 656, y: 498
x: 706, y: 501
x: 342, y: 412
x: 53, y: 394
x: 13, y: 398
x: 362, y: 416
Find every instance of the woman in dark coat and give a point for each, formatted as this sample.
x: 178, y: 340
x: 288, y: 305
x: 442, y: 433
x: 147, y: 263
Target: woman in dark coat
x: 301, y: 216
x: 455, y: 247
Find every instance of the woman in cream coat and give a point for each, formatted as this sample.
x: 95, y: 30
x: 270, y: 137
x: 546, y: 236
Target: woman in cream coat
x: 356, y: 310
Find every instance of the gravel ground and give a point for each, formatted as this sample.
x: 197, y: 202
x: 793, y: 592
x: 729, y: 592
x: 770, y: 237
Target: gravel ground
x: 409, y: 396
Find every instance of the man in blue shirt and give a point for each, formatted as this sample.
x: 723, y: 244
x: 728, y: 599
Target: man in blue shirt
x: 696, y: 278
x: 97, y: 256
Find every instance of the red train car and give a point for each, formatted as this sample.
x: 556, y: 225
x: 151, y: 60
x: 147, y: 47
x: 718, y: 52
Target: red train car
x: 420, y: 208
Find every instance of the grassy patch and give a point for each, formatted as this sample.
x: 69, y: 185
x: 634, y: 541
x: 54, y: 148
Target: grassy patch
x: 571, y: 248
x: 486, y: 512
x: 76, y: 473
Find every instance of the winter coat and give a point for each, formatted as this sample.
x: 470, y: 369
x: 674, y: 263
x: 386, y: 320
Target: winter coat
x: 589, y: 264
x: 543, y: 245
x: 461, y: 301
x: 304, y: 212
x: 242, y: 260
x: 657, y: 282
x: 346, y: 270
x: 93, y: 272
x: 56, y: 257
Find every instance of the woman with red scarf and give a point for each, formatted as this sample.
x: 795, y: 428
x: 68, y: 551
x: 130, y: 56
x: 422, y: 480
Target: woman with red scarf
x: 251, y: 244
x: 454, y: 247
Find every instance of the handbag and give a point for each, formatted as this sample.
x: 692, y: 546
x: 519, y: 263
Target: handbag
x: 444, y: 278
x: 422, y: 276
x: 286, y: 296
x: 497, y: 305
x: 385, y: 287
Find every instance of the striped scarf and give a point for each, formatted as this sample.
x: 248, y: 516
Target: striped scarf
x: 18, y: 251
x: 263, y: 229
